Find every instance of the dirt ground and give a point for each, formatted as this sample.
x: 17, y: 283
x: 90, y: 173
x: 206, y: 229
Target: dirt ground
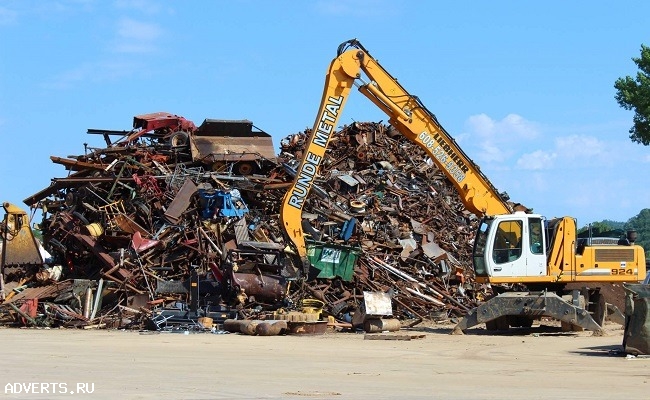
x: 536, y: 363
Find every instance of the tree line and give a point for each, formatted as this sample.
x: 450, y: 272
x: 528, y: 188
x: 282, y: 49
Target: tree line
x: 607, y: 228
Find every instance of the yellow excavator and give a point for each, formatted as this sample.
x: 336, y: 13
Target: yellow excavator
x: 511, y: 247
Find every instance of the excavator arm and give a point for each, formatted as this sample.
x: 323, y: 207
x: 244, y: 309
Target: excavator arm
x: 406, y: 113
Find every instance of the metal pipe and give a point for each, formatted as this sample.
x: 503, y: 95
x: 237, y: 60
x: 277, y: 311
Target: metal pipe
x: 88, y: 301
x: 375, y: 325
x: 424, y: 296
x: 214, y: 246
x: 23, y: 314
x: 98, y: 296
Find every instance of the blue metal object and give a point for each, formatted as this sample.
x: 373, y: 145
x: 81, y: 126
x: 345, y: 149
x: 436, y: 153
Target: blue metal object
x: 348, y: 229
x: 221, y: 204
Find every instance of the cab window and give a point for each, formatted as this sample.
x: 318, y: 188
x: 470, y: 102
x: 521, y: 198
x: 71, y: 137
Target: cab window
x: 507, y: 243
x: 535, y: 236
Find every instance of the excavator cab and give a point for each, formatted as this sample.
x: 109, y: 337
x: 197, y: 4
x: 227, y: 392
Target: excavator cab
x: 510, y: 245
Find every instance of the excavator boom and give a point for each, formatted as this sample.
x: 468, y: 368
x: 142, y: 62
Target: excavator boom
x: 406, y: 113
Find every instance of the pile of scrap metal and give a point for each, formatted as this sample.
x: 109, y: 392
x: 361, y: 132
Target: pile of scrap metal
x: 173, y: 223
x: 412, y: 235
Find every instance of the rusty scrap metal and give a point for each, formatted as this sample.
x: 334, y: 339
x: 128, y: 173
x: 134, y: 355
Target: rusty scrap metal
x: 185, y: 219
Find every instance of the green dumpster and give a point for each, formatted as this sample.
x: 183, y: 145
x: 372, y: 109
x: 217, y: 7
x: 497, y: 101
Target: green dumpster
x: 333, y: 260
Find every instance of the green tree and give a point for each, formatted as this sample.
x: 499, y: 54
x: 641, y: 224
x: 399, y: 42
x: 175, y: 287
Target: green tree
x: 597, y: 228
x: 603, y: 228
x: 634, y: 94
x: 641, y: 223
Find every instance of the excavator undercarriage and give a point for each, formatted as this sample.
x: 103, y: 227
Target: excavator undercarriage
x: 576, y: 310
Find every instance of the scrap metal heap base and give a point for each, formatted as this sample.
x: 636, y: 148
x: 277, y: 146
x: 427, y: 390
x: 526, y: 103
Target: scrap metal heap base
x: 519, y: 309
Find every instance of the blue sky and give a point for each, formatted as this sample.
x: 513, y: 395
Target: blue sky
x: 525, y: 88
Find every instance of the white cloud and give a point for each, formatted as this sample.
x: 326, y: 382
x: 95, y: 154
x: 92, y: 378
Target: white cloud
x: 497, y: 140
x: 574, y: 152
x: 537, y: 160
x: 580, y: 146
x: 576, y: 161
x: 519, y: 126
x: 512, y: 126
x: 508, y: 142
x: 491, y: 153
x: 481, y: 124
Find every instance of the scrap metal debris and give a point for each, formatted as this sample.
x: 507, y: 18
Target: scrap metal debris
x: 172, y: 223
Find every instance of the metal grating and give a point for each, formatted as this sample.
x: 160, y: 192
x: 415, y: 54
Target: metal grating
x: 609, y: 255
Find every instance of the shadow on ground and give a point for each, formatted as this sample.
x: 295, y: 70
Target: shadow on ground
x: 602, y: 351
x: 537, y: 330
